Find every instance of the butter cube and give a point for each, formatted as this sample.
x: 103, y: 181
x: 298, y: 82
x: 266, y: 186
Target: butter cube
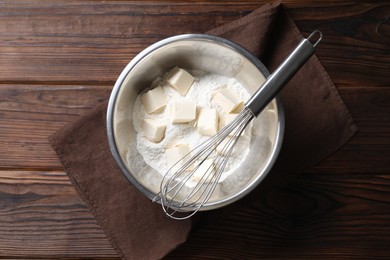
x: 154, y: 100
x: 183, y: 111
x: 208, y: 121
x: 227, y: 100
x: 175, y: 155
x: 238, y: 109
x: 205, y: 171
x: 153, y: 130
x: 225, y: 119
x: 180, y: 80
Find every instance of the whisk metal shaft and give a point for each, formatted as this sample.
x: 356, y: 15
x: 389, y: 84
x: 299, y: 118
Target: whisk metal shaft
x: 276, y: 81
x: 190, y: 183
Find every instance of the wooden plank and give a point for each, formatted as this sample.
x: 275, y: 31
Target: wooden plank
x: 54, y: 103
x: 44, y: 209
x: 88, y: 42
x: 355, y: 45
x: 29, y: 114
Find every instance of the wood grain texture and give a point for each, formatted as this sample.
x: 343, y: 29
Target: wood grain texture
x: 316, y: 217
x: 91, y: 41
x: 59, y: 59
x: 41, y: 216
x: 31, y: 113
x: 315, y: 211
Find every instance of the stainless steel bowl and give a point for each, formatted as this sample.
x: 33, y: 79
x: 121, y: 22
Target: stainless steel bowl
x: 193, y: 52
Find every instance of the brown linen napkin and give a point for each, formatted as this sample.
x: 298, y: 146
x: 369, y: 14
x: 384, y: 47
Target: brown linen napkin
x: 317, y: 123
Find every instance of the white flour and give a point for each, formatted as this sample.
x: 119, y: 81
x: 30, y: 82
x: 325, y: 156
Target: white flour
x: 200, y: 92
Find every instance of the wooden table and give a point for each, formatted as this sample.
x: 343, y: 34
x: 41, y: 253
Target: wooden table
x: 60, y: 58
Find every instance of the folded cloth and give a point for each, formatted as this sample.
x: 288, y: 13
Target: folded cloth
x: 317, y: 123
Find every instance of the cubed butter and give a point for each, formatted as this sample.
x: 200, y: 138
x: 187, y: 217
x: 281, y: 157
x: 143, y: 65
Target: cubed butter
x: 154, y: 100
x: 183, y: 111
x: 204, y: 172
x: 153, y: 130
x: 175, y: 155
x: 238, y: 109
x: 207, y: 121
x: 180, y: 80
x: 226, y: 100
x: 225, y: 119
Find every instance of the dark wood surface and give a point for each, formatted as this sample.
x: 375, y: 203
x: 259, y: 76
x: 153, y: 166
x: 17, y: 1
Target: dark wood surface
x: 58, y: 59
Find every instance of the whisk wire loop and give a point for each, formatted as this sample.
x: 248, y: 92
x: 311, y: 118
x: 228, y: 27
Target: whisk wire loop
x: 175, y: 196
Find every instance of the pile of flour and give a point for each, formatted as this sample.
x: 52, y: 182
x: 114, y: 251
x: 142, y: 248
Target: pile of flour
x: 201, y: 92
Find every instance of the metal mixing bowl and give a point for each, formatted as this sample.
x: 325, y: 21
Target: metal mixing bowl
x: 193, y: 52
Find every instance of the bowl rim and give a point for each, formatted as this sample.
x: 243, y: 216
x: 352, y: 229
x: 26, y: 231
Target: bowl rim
x: 279, y: 135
